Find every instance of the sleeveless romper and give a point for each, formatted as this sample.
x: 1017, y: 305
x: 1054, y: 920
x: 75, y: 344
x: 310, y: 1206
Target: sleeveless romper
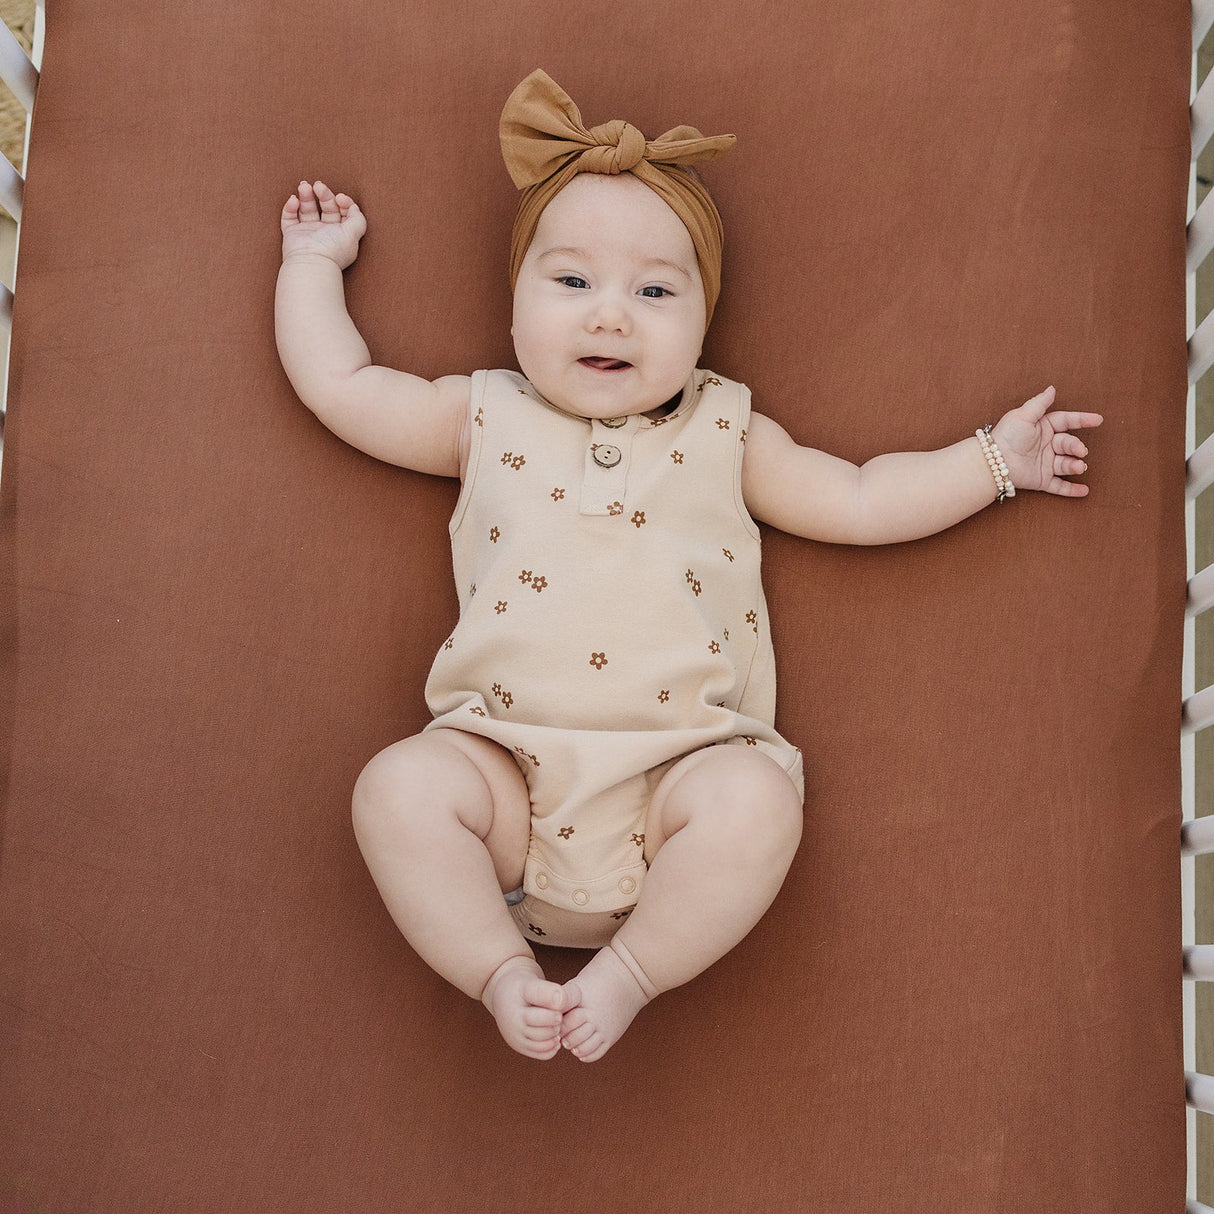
x: 611, y: 621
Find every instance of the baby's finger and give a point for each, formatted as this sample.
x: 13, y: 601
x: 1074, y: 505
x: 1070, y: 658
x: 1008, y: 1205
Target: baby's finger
x: 1074, y: 421
x: 351, y: 213
x: 1036, y: 406
x: 1065, y: 465
x: 1066, y: 488
x: 309, y: 212
x: 290, y: 210
x: 329, y: 210
x: 1066, y: 443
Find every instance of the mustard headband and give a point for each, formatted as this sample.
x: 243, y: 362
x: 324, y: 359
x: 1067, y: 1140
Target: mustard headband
x: 545, y: 145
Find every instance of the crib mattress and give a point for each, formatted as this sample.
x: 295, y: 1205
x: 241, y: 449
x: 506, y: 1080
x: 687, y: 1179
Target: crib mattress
x: 967, y: 996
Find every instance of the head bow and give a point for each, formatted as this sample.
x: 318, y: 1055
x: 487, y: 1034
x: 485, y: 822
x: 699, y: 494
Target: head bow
x: 545, y: 145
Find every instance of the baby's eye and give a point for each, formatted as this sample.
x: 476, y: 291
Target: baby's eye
x: 654, y: 292
x: 572, y: 280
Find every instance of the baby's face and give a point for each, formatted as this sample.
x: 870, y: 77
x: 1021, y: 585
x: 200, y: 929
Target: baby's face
x: 609, y: 309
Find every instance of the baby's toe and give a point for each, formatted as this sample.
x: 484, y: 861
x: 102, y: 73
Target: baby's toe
x: 573, y: 1019
x: 573, y: 1036
x: 541, y: 1051
x: 591, y: 1050
x: 544, y: 994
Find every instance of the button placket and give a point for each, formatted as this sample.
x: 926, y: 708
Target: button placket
x: 605, y: 475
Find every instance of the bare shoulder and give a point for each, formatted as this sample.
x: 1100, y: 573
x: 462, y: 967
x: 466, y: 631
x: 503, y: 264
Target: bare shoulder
x: 763, y: 435
x: 768, y: 444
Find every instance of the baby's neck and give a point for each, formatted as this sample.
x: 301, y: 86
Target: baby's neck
x: 664, y: 410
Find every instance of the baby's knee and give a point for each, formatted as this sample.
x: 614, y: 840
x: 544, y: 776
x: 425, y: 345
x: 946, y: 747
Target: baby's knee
x: 397, y: 787
x: 774, y: 811
x: 419, y: 787
x: 750, y: 800
x: 379, y: 787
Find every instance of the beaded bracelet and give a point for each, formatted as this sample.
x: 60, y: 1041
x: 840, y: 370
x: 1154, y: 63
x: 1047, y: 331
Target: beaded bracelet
x: 994, y: 461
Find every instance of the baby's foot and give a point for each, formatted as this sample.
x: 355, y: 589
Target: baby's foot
x: 527, y: 1007
x: 608, y: 995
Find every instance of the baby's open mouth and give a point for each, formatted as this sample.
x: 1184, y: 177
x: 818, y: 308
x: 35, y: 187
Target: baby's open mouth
x: 604, y: 364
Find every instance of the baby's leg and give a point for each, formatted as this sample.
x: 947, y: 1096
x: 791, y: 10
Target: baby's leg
x: 726, y: 822
x: 443, y: 821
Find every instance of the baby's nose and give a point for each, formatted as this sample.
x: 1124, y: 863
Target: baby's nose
x: 610, y: 313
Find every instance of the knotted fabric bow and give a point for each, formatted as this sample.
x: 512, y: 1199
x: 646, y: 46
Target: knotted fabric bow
x: 545, y: 145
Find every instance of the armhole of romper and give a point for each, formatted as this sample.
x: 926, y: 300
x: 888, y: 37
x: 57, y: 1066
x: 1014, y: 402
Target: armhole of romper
x: 476, y: 434
x: 739, y: 453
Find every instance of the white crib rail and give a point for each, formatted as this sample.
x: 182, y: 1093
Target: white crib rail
x: 1197, y: 708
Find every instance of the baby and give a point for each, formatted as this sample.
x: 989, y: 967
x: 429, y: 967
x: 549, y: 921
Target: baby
x: 603, y: 771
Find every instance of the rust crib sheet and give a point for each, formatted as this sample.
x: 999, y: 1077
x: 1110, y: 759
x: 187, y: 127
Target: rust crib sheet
x: 967, y: 996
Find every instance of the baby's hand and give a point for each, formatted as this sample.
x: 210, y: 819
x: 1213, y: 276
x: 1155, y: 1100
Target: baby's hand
x: 317, y: 221
x: 1039, y: 449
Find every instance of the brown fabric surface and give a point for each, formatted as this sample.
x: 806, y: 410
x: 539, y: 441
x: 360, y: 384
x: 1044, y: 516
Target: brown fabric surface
x: 967, y: 996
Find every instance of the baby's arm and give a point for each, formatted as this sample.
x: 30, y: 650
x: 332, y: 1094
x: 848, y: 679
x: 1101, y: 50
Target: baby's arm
x: 393, y: 416
x: 907, y: 495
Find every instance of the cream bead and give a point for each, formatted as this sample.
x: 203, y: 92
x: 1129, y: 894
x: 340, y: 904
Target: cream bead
x: 995, y: 462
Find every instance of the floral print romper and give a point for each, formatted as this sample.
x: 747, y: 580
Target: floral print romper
x: 612, y: 620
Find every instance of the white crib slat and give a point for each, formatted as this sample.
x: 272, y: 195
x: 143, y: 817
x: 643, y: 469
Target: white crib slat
x: 1200, y: 466
x: 1201, y: 233
x: 17, y: 69
x: 1197, y: 837
x: 1199, y: 1091
x: 1201, y: 116
x: 1201, y: 344
x: 1197, y: 712
x: 12, y: 188
x: 1201, y: 592
x: 1203, y: 18
x: 1197, y: 1207
x: 1199, y: 962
